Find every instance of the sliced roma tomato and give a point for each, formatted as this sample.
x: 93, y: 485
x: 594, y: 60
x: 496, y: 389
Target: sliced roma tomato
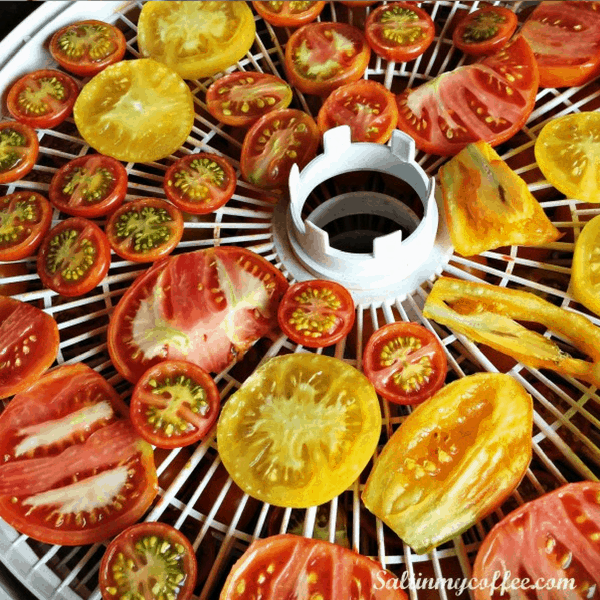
x: 196, y: 39
x: 200, y: 183
x: 565, y: 39
x: 320, y: 57
x: 145, y: 229
x: 148, y: 560
x: 316, y: 313
x: 554, y: 538
x: 74, y: 470
x: 300, y: 430
x: 585, y: 271
x: 274, y: 143
x: 367, y: 107
x: 399, y: 31
x: 289, y: 14
x: 74, y: 257
x: 207, y: 307
x: 25, y: 218
x: 135, y: 111
x: 19, y: 149
x: 485, y: 31
x: 87, y: 47
x: 454, y: 459
x: 489, y: 100
x: 405, y: 362
x: 43, y: 98
x: 89, y: 186
x: 243, y: 97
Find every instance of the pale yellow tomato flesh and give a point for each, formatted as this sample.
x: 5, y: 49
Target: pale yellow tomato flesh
x: 585, y: 271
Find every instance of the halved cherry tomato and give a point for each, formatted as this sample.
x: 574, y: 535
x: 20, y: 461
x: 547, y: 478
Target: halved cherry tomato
x: 320, y: 57
x: 399, y: 31
x: 274, y: 143
x: 43, y: 98
x: 25, y: 218
x: 19, y: 149
x: 89, y: 186
x: 86, y: 47
x: 289, y: 14
x: 585, y: 271
x: 366, y: 106
x: 145, y: 229
x: 485, y: 30
x: 148, y: 560
x: 200, y: 183
x: 316, y: 313
x: 74, y: 257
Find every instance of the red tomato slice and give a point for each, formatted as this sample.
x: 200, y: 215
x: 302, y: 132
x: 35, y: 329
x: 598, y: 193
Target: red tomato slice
x: 42, y: 98
x: 289, y: 14
x: 399, y: 31
x: 19, y: 149
x: 490, y: 100
x: 316, y: 313
x: 207, y: 307
x: 74, y: 257
x: 366, y: 106
x: 405, y: 362
x: 74, y: 470
x: 28, y: 345
x: 25, y: 218
x: 200, y: 183
x: 485, y: 31
x: 87, y: 47
x: 174, y: 404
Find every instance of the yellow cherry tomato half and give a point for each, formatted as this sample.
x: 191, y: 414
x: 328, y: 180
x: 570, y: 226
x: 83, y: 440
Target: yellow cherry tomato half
x: 585, y: 271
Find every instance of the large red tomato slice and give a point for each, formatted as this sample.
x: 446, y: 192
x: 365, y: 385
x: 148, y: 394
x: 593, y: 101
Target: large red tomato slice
x: 207, y: 307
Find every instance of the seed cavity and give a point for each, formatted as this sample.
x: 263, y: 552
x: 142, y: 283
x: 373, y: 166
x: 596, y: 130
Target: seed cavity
x: 34, y: 101
x: 91, y: 38
x: 92, y: 185
x: 11, y: 221
x: 195, y: 181
x: 71, y: 256
x: 11, y: 143
x: 397, y: 26
x: 147, y: 227
x: 315, y: 316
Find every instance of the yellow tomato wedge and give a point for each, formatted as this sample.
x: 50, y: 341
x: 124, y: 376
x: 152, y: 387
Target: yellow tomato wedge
x: 585, y: 271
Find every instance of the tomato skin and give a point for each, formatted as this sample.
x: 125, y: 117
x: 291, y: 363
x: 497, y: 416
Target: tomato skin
x: 19, y: 148
x: 469, y: 38
x: 285, y: 14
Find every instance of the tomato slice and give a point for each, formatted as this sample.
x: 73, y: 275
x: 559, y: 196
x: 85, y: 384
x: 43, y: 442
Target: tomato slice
x: 274, y: 143
x: 367, y: 107
x: 42, y: 99
x: 19, y: 148
x: 289, y: 14
x: 489, y: 100
x: 25, y: 218
x: 320, y: 57
x: 405, y: 362
x: 145, y: 230
x: 89, y: 186
x: 243, y: 97
x: 300, y: 430
x: 585, y: 271
x: 200, y: 183
x: 86, y: 47
x: 148, y: 560
x: 399, y: 31
x: 74, y: 470
x: 74, y: 257
x: 316, y: 313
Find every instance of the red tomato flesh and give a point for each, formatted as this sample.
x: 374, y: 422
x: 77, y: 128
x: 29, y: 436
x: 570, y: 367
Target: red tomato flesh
x: 19, y: 149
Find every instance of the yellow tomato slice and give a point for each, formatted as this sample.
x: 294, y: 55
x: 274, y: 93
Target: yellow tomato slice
x: 568, y: 153
x: 196, y: 39
x: 585, y: 271
x: 300, y: 430
x: 135, y: 110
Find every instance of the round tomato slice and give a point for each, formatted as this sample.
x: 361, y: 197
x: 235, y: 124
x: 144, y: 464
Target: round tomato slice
x: 485, y: 31
x: 145, y: 229
x: 274, y: 143
x: 399, y: 31
x: 148, y: 560
x: 554, y: 538
x: 316, y: 313
x: 289, y: 14
x: 200, y: 183
x: 86, y: 47
x: 300, y: 430
x: 320, y: 57
x: 366, y: 106
x: 89, y: 186
x: 490, y: 100
x: 74, y: 257
x: 405, y: 362
x: 25, y: 218
x: 43, y: 98
x: 174, y: 404
x: 19, y: 149
x: 243, y: 97
x: 585, y: 271
x: 279, y: 566
x: 74, y: 469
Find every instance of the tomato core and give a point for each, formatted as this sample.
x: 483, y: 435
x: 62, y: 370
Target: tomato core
x: 33, y: 100
x: 412, y: 374
x: 145, y: 226
x: 95, y: 39
x: 92, y: 186
x: 397, y: 21
x: 72, y: 257
x: 9, y: 141
x: 484, y: 25
x: 10, y: 221
x: 193, y: 181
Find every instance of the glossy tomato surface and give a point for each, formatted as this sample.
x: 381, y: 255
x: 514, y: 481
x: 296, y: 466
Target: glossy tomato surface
x: 289, y: 14
x: 485, y: 30
x: 585, y: 270
x: 74, y: 471
x: 19, y: 148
